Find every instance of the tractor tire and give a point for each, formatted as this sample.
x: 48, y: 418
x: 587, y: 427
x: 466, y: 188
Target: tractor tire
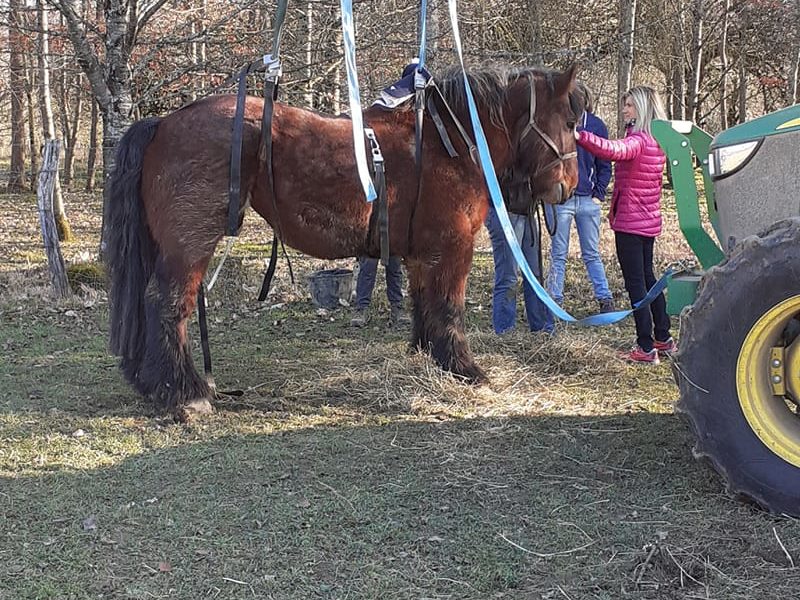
x: 747, y: 308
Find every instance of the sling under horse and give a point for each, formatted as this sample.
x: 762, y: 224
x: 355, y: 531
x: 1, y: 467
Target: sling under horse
x: 168, y: 206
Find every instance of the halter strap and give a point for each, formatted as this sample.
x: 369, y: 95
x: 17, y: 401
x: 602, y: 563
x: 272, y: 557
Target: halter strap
x: 531, y: 125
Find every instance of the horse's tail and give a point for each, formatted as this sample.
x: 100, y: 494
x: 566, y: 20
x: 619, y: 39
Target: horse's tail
x: 130, y: 250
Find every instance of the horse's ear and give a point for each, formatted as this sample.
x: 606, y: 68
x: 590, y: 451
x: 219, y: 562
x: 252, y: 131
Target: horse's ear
x: 565, y: 82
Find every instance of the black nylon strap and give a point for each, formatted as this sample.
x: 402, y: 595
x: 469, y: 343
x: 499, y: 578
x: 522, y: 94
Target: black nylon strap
x: 202, y: 321
x: 265, y: 149
x: 383, y: 212
x: 235, y: 182
x: 419, y: 101
x: 273, y: 260
x: 437, y: 121
x: 265, y: 155
x: 473, y: 149
x: 382, y: 201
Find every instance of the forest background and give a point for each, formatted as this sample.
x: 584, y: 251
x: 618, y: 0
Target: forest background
x: 82, y: 71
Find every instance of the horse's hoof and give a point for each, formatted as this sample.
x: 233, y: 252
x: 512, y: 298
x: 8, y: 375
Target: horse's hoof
x: 193, y: 409
x: 473, y: 375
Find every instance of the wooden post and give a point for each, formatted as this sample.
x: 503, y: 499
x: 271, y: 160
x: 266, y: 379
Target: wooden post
x: 44, y: 194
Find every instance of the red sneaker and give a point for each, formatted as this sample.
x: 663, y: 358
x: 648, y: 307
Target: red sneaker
x: 665, y: 348
x: 640, y: 356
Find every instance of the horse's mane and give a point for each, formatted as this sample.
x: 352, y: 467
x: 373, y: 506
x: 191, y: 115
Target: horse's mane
x: 489, y: 85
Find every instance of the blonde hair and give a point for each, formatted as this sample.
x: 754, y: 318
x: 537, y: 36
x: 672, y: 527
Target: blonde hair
x: 587, y: 96
x: 648, y: 106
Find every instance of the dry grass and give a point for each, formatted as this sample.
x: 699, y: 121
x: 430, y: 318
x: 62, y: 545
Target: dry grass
x: 351, y: 468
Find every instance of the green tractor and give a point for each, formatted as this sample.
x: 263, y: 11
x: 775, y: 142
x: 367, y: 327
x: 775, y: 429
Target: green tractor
x: 738, y: 359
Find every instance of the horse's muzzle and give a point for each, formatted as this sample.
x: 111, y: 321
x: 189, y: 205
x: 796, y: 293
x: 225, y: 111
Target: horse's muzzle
x: 566, y: 192
x: 558, y: 194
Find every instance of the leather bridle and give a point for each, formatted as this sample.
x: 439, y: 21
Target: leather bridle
x: 532, y: 126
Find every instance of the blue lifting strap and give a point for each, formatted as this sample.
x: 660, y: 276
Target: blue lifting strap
x: 508, y: 230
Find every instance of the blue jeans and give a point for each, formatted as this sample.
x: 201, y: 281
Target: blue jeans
x: 586, y: 213
x: 368, y: 268
x: 504, y: 295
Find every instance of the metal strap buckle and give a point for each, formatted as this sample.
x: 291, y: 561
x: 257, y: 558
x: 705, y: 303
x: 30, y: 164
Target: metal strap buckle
x: 375, y: 148
x: 420, y: 82
x: 685, y: 265
x: 273, y: 67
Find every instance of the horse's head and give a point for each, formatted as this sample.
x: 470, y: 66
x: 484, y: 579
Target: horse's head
x: 529, y: 117
x: 544, y: 108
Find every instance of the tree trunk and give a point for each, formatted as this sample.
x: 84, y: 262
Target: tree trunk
x: 793, y: 97
x: 203, y: 52
x: 723, y: 65
x: 537, y: 43
x: 74, y: 132
x: 679, y: 90
x: 47, y: 184
x: 308, y: 95
x: 16, y: 84
x: 118, y: 104
x: 742, y: 88
x: 70, y: 117
x: 46, y: 108
x: 30, y: 80
x: 336, y: 101
x: 627, y: 25
x: 793, y: 57
x: 434, y: 33
x: 91, y: 160
x: 698, y: 23
x: 677, y: 65
x: 114, y: 126
x: 193, y: 57
x: 110, y: 80
x: 678, y: 74
x: 744, y: 23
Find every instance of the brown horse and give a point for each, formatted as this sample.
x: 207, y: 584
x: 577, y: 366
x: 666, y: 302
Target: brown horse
x: 169, y: 193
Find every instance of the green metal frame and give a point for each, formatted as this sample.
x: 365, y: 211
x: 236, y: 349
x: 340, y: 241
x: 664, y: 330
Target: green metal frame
x: 778, y: 122
x: 679, y: 147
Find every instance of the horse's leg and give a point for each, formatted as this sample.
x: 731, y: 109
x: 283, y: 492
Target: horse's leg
x: 419, y: 338
x: 167, y: 372
x: 438, y: 290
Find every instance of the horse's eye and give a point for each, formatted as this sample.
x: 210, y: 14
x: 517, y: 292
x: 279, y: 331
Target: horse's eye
x: 571, y: 125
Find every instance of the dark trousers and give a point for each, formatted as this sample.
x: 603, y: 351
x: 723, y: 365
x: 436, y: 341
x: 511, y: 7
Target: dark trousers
x: 368, y: 269
x: 635, y: 255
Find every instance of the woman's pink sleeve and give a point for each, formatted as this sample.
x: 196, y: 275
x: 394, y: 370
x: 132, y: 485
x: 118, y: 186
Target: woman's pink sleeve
x: 624, y: 149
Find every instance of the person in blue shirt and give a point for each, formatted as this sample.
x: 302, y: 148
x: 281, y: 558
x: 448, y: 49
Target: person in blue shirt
x: 504, y: 291
x: 365, y: 283
x: 583, y: 208
x: 390, y: 98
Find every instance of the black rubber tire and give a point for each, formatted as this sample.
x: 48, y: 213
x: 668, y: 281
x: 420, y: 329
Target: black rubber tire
x: 760, y: 272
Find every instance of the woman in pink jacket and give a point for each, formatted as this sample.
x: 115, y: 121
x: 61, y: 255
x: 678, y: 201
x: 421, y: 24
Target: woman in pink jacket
x: 635, y: 214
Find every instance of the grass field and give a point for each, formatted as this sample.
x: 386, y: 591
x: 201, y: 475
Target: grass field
x: 351, y: 468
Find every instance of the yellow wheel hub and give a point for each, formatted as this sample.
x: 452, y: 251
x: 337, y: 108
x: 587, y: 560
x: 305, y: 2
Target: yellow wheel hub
x: 765, y: 371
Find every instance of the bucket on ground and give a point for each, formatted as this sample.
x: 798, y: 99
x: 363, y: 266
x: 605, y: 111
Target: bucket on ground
x: 329, y: 286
